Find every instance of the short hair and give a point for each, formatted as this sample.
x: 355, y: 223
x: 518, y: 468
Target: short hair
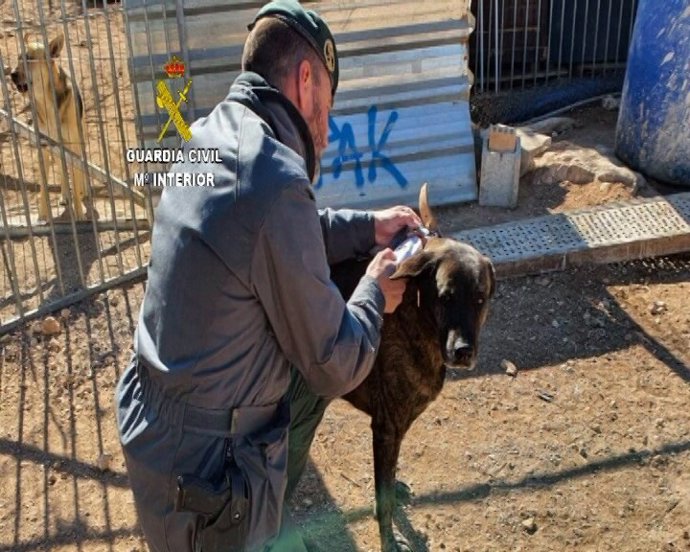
x: 273, y: 50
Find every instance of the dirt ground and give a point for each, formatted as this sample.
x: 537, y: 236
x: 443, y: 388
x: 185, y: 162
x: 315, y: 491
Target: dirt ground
x: 587, y: 448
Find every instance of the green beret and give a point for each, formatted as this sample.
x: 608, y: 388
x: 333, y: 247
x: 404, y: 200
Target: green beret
x: 310, y: 25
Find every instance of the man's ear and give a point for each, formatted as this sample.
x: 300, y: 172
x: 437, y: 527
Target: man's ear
x: 414, y: 266
x: 305, y: 88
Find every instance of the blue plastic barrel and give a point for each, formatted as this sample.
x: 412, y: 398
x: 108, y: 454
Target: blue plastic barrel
x: 653, y: 132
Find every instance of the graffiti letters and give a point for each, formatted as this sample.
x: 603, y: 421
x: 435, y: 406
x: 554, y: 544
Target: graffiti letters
x: 349, y: 157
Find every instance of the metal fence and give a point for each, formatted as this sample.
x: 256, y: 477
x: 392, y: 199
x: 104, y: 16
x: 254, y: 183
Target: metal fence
x: 60, y: 149
x: 526, y: 43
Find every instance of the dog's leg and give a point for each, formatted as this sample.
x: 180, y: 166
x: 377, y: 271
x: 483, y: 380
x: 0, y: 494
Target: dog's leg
x: 387, y: 440
x: 43, y: 205
x: 79, y: 191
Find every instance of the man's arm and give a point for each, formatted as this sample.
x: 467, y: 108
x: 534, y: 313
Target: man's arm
x: 331, y: 342
x: 347, y: 233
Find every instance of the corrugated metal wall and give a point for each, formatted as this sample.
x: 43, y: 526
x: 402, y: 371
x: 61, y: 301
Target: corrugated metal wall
x: 401, y: 115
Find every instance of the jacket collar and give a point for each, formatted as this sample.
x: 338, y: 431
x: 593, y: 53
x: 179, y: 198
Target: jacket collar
x: 286, y: 122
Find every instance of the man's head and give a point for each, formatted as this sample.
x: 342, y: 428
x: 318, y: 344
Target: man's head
x: 293, y: 49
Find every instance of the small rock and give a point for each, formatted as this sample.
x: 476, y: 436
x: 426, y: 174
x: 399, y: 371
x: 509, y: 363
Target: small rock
x: 104, y: 461
x: 543, y: 281
x: 54, y: 345
x: 65, y: 314
x: 658, y: 307
x: 50, y: 326
x: 621, y: 175
x: 529, y: 525
x: 545, y: 395
x: 555, y: 323
x: 609, y: 103
x: 33, y: 342
x: 113, y: 299
x: 509, y: 367
x: 308, y: 502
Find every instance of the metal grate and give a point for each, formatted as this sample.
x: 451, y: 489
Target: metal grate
x: 663, y: 222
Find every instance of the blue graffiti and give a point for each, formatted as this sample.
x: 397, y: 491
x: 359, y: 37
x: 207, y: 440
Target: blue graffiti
x: 348, y: 152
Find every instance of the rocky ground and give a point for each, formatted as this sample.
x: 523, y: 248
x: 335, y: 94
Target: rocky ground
x: 584, y: 446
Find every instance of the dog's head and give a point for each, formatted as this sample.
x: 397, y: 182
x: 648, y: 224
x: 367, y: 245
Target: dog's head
x: 455, y: 282
x: 32, y: 68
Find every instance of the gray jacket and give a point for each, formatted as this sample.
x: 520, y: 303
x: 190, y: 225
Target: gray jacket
x: 238, y: 291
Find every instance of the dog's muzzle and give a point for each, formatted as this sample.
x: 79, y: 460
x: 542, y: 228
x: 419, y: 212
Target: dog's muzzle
x: 458, y: 353
x: 21, y: 86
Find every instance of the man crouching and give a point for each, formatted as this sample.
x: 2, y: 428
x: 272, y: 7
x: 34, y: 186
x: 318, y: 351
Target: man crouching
x: 242, y: 337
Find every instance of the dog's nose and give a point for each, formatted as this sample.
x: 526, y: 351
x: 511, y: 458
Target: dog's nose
x: 458, y: 350
x: 462, y: 353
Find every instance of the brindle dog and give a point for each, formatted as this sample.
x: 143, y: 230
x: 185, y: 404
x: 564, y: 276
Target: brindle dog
x: 436, y: 326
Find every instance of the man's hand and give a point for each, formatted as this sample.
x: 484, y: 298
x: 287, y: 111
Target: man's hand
x: 388, y: 222
x: 381, y: 267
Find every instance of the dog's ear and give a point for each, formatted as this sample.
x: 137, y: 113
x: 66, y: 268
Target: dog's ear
x: 427, y: 216
x: 492, y: 277
x: 27, y: 37
x: 56, y: 45
x: 414, y: 266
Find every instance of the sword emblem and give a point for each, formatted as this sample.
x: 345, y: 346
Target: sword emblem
x: 164, y: 100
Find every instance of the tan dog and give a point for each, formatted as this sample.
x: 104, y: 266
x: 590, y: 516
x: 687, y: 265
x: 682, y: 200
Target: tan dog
x: 33, y: 77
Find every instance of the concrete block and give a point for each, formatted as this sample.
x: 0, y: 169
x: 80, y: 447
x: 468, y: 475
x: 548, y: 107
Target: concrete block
x: 533, y: 144
x: 500, y: 177
x: 502, y: 139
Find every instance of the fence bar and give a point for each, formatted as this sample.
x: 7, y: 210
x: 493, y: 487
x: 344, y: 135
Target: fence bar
x: 182, y: 32
x: 536, y: 50
x: 524, y: 51
x: 572, y: 40
x: 512, y: 52
x: 620, y: 29
x: 596, y: 39
x: 481, y: 44
x: 584, y: 39
x: 497, y: 82
x: 608, y: 36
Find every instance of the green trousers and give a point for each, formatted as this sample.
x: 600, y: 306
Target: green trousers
x: 306, y: 412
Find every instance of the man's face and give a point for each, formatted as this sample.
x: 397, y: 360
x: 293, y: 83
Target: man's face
x: 322, y: 104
